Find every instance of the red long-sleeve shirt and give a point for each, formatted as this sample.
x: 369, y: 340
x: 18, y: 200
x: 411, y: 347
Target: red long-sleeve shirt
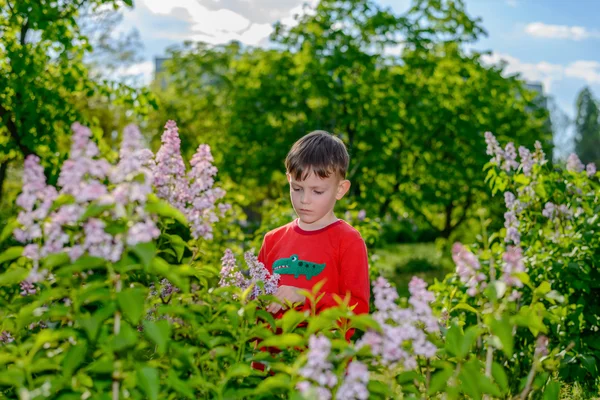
x: 337, y: 251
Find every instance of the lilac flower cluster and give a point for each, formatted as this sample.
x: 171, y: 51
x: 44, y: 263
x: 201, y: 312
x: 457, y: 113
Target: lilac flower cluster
x: 552, y: 212
x: 193, y: 194
x: 403, y: 337
x: 355, y: 383
x: 506, y: 158
x: 86, y: 179
x: 468, y: 269
x: 512, y: 263
x: 511, y: 222
x: 319, y: 379
x: 232, y: 276
x: 6, y: 337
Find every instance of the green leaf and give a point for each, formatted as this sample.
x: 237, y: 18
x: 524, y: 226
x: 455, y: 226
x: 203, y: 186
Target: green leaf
x: 273, y: 384
x: 8, y: 230
x: 238, y: 371
x: 471, y: 335
x: 499, y: 376
x: 94, y: 210
x: 145, y: 252
x: 55, y: 260
x: 379, y: 388
x: 466, y: 307
x: 178, y: 245
x: 179, y: 385
x: 267, y: 317
x: 164, y: 209
x: 503, y: 330
x: 283, y: 341
x: 552, y: 391
x: 13, y: 276
x: 62, y: 200
x: 149, y: 382
x: 454, y: 338
x: 12, y: 378
x: 543, y: 289
x: 364, y: 322
x: 74, y: 358
x: 439, y: 380
x: 470, y: 376
x: 11, y: 253
x: 158, y: 332
x: 127, y: 337
x: 131, y: 302
x: 290, y: 320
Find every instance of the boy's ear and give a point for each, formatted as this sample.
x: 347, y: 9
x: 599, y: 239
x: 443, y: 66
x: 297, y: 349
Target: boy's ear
x: 343, y: 188
x: 289, y: 177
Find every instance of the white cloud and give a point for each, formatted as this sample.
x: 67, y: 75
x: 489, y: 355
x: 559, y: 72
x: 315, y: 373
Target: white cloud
x: 539, y: 29
x: 539, y: 72
x: 136, y: 74
x: 589, y: 71
x: 545, y: 72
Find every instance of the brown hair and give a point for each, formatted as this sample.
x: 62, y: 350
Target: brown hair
x: 319, y: 152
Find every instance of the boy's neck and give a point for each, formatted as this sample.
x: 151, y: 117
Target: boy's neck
x: 322, y: 223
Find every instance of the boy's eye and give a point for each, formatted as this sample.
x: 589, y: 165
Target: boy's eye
x: 318, y: 192
x: 296, y: 190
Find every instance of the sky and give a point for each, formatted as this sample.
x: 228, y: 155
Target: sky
x: 555, y: 42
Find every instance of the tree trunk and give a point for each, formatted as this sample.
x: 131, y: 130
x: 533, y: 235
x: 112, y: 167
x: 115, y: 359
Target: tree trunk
x: 3, y: 169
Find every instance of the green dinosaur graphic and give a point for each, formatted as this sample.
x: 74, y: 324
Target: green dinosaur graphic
x: 295, y: 266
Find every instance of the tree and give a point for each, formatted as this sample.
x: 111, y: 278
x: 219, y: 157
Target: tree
x: 44, y: 81
x: 413, y: 124
x: 587, y: 127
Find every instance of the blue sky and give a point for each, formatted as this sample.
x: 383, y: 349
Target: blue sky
x: 556, y: 42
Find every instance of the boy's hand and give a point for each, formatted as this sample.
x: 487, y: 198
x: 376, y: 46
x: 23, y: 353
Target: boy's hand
x: 286, y: 294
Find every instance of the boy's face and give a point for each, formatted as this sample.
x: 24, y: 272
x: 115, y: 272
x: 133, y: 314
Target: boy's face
x: 314, y: 198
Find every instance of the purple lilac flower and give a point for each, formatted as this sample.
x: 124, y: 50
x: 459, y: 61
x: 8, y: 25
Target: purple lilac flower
x: 167, y: 288
x: 513, y: 263
x: 169, y: 173
x: 574, y: 164
x: 590, y: 169
x: 6, y: 337
x: 401, y: 327
x: 258, y: 272
x: 527, y: 160
x: 230, y: 275
x: 538, y: 155
x: 35, y: 201
x: 362, y: 214
x: 541, y: 346
x: 467, y: 268
x: 420, y: 298
x: 549, y: 210
x: 98, y: 243
x: 355, y: 383
x: 317, y: 368
x: 493, y: 148
x: 27, y: 288
x: 510, y: 158
x: 142, y: 232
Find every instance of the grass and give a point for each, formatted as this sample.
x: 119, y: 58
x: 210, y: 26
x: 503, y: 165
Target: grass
x: 400, y: 262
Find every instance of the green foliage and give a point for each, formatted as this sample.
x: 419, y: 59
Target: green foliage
x: 587, y: 125
x: 404, y: 119
x: 45, y: 84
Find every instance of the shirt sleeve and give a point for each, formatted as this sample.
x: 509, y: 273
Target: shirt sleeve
x: 354, y: 279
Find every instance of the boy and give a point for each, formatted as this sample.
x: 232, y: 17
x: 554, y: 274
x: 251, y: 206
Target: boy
x: 317, y: 246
